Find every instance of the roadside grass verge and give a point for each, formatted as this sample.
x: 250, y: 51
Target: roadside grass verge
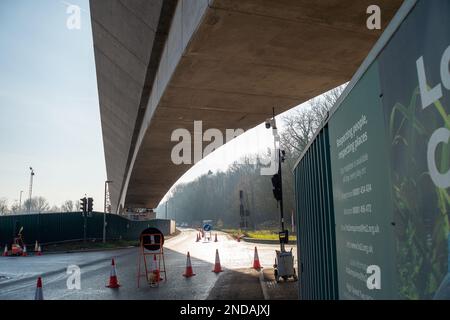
x: 257, y: 234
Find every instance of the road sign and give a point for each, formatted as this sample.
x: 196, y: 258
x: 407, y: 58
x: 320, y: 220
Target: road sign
x: 207, y: 227
x: 152, y: 239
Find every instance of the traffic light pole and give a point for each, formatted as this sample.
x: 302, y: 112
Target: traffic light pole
x: 281, y: 188
x: 277, y: 179
x: 84, y: 227
x: 281, y: 198
x: 83, y: 204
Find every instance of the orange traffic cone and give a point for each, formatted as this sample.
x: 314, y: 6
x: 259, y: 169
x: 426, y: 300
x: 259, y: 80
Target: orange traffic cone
x: 5, y: 252
x: 38, y: 295
x: 113, y: 283
x: 256, y: 264
x: 39, y: 251
x: 24, y: 251
x: 189, y: 272
x: 156, y: 268
x: 238, y: 238
x: 155, y: 275
x: 215, y: 239
x: 217, y: 267
x: 198, y: 238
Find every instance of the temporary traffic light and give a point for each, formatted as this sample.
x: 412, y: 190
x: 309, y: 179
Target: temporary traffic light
x: 90, y: 202
x: 276, y: 182
x: 284, y: 236
x: 83, y: 205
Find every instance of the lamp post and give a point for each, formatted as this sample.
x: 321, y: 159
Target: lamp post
x: 104, y: 211
x: 166, y: 207
x: 20, y: 200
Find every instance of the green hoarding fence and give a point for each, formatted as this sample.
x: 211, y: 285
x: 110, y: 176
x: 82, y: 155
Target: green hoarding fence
x: 67, y: 226
x: 315, y: 227
x: 373, y: 186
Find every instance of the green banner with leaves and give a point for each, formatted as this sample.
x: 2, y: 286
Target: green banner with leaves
x: 390, y: 154
x: 362, y: 205
x: 415, y: 81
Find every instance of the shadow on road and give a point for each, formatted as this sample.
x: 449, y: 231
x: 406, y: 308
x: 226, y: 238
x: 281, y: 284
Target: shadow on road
x: 240, y: 284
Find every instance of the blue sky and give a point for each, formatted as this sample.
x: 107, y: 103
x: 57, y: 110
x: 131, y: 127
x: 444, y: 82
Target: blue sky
x: 49, y: 113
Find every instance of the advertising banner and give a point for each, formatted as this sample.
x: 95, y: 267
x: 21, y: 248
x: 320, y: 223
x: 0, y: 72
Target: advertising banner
x: 361, y: 189
x: 390, y: 159
x: 415, y: 81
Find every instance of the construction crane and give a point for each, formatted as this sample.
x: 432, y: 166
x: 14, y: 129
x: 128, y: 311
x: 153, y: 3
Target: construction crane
x: 30, y: 193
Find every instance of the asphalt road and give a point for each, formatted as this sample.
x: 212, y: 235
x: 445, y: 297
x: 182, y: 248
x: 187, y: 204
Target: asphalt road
x: 18, y: 274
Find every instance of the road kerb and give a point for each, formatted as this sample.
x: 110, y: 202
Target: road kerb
x: 261, y: 241
x: 263, y: 285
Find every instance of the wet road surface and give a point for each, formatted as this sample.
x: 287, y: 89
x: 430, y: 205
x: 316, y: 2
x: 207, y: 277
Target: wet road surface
x: 18, y: 274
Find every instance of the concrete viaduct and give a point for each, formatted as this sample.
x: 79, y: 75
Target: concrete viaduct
x: 161, y: 64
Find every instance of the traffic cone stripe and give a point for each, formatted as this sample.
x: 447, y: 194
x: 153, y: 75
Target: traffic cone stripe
x: 39, y: 294
x: 155, y: 270
x: 217, y: 266
x: 189, y: 272
x: 256, y: 264
x: 113, y: 283
x: 5, y: 252
x: 113, y: 272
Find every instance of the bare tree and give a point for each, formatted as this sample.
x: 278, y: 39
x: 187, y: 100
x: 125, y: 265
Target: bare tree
x: 301, y: 125
x: 15, y: 208
x: 3, y: 206
x: 55, y: 208
x: 77, y: 205
x: 29, y: 205
x: 67, y: 206
x: 37, y: 204
x: 42, y: 204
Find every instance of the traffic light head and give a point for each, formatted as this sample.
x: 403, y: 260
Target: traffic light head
x: 276, y: 182
x: 90, y: 205
x: 83, y: 204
